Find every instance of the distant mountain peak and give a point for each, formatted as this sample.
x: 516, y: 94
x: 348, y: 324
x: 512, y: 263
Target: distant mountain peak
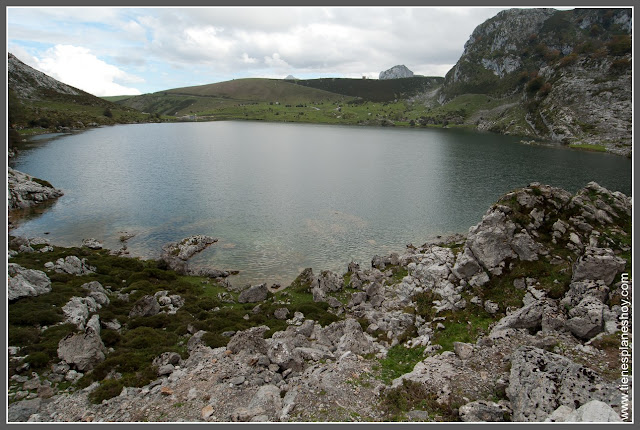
x: 290, y: 78
x: 396, y: 72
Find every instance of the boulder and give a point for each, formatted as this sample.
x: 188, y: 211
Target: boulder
x: 82, y: 350
x: 327, y: 282
x: 26, y: 282
x: 92, y: 243
x: 593, y: 411
x: 77, y: 309
x: 281, y: 313
x: 587, y: 318
x: 481, y: 411
x: 524, y: 245
x: 542, y: 381
x: 582, y: 289
x: 285, y: 355
x: 176, y: 254
x: 527, y: 317
x: 22, y: 410
x: 489, y: 241
x: 253, y: 294
x: 145, y: 307
x: 597, y: 264
x: 73, y: 266
x: 188, y: 247
x: 466, y: 265
x: 251, y: 341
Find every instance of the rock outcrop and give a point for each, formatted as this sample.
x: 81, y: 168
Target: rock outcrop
x: 396, y: 72
x: 26, y: 191
x: 26, y: 282
x: 557, y: 75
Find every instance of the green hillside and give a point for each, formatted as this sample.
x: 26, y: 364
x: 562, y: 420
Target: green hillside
x: 207, y: 98
x: 373, y: 89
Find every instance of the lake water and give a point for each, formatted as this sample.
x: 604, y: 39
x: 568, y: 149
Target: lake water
x: 282, y: 197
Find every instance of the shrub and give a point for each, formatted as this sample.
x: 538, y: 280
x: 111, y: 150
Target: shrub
x: 107, y: 389
x: 568, y: 60
x: 535, y: 84
x: 38, y: 360
x: 619, y: 45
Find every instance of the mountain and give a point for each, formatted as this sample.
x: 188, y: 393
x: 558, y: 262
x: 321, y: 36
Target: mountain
x: 558, y: 75
x: 38, y: 100
x: 396, y: 72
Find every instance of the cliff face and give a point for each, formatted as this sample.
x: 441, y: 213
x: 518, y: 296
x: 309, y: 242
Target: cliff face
x: 563, y: 75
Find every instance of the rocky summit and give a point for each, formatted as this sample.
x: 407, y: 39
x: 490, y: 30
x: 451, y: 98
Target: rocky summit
x: 396, y: 72
x: 521, y: 319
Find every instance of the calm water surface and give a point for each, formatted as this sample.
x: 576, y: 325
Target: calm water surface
x: 282, y: 197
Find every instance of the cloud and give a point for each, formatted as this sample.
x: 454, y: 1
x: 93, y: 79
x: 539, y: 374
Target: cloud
x: 222, y: 43
x: 78, y: 67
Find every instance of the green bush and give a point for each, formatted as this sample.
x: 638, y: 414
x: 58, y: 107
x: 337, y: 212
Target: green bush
x: 107, y: 389
x: 38, y: 360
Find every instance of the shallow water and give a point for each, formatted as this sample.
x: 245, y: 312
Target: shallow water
x: 282, y: 197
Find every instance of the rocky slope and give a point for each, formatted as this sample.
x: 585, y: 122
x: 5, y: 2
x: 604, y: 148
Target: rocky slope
x: 38, y: 100
x: 558, y: 75
x: 522, y: 320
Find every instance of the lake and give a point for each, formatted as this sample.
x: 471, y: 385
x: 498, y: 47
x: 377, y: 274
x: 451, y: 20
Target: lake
x: 281, y: 197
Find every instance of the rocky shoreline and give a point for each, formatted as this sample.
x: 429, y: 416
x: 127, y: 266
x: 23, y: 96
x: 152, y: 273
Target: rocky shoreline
x: 25, y: 191
x: 521, y: 320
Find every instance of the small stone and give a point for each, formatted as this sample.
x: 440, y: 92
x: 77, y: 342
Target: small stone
x: 166, y: 391
x: 206, y: 412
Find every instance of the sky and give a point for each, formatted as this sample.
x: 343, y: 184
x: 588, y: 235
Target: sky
x: 126, y: 51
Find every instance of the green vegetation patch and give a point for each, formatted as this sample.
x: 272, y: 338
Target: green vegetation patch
x: 415, y: 396
x: 399, y: 360
x: 588, y: 147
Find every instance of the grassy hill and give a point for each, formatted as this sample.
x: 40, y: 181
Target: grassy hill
x: 374, y: 89
x: 206, y: 98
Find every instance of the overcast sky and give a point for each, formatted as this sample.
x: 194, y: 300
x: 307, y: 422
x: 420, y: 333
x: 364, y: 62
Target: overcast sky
x: 115, y: 51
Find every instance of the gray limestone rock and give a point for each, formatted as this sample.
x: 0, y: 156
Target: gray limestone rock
x: 489, y: 241
x: 82, y: 350
x: 145, y: 307
x: 481, y: 411
x: 587, y: 318
x: 593, y: 411
x: 281, y: 313
x: 582, y: 289
x: 253, y: 294
x: 91, y: 243
x: 466, y: 265
x: 26, y: 282
x: 597, y: 264
x: 73, y: 266
x: 251, y: 340
x: 542, y: 381
x: 26, y: 191
x: 328, y: 282
x: 396, y: 72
